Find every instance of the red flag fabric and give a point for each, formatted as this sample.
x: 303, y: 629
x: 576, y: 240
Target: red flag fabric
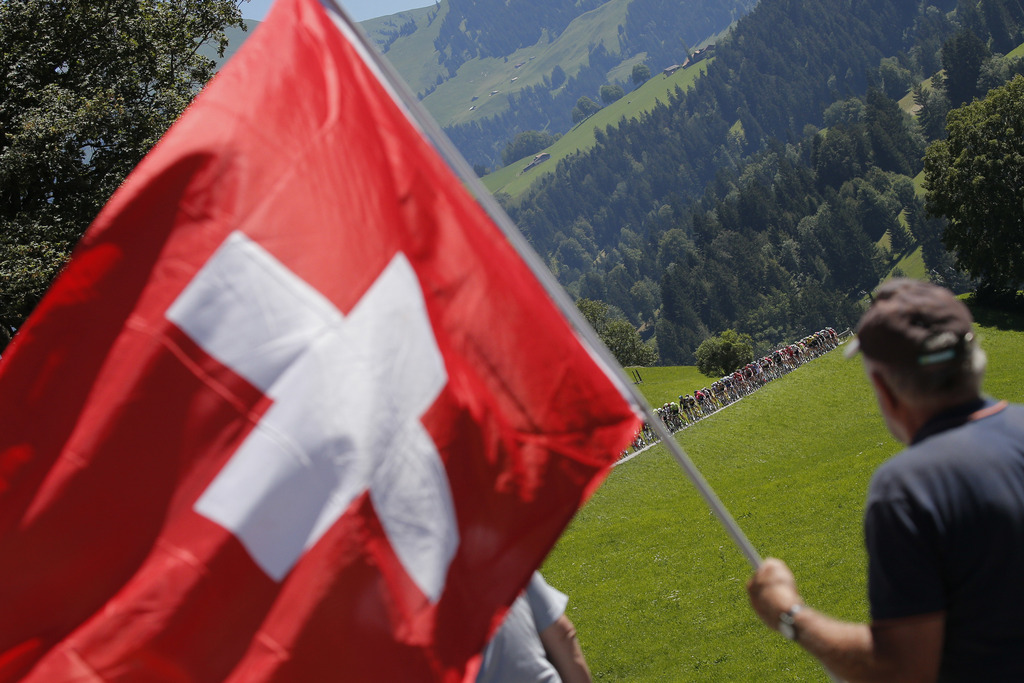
x: 296, y: 410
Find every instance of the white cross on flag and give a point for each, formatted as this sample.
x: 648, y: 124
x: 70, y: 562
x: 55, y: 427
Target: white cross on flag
x: 296, y: 410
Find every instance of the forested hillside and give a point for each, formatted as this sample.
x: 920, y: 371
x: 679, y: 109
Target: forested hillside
x: 496, y: 28
x: 496, y: 68
x: 661, y: 29
x: 759, y: 200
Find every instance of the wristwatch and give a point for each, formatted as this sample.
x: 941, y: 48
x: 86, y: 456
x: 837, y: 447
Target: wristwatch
x: 787, y: 627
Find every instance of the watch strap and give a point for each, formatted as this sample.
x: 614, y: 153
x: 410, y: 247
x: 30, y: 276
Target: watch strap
x: 787, y: 621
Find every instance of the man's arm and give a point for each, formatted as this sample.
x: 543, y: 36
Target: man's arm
x: 564, y: 652
x: 908, y: 649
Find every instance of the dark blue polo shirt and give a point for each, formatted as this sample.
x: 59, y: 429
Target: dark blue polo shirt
x: 944, y: 528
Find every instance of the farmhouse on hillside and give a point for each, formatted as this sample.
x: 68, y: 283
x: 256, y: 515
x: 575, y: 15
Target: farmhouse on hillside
x: 537, y: 159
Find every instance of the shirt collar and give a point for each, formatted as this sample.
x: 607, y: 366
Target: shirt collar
x: 954, y: 417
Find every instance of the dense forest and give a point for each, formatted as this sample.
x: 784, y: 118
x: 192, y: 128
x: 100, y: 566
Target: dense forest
x: 757, y: 200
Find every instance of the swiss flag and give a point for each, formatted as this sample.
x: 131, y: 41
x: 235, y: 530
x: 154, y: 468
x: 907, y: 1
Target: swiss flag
x: 296, y: 410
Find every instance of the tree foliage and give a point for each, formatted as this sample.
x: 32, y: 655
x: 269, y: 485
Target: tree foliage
x: 624, y: 341
x: 89, y: 86
x: 932, y: 109
x: 595, y: 313
x: 894, y: 79
x: 640, y: 74
x: 718, y: 356
x: 621, y: 338
x: 584, y: 108
x: 962, y: 57
x: 611, y: 93
x: 526, y: 143
x: 557, y: 76
x: 975, y: 179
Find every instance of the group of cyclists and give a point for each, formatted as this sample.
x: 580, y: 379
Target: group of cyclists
x: 732, y: 387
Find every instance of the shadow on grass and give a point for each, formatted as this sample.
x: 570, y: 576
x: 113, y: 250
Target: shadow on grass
x: 1009, y: 317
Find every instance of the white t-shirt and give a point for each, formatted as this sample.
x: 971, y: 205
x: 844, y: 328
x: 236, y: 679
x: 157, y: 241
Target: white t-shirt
x: 515, y: 653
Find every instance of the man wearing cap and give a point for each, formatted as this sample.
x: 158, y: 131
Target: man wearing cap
x: 944, y: 519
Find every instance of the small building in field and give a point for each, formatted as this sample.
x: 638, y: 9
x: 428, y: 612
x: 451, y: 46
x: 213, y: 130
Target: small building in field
x: 537, y: 159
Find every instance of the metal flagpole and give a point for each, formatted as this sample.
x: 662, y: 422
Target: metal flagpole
x: 425, y: 122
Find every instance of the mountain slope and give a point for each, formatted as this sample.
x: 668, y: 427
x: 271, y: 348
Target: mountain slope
x: 412, y: 54
x: 570, y: 50
x: 729, y: 208
x: 658, y: 91
x: 497, y: 67
x: 489, y: 69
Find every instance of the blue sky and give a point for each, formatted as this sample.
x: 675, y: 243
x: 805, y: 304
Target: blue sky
x: 359, y: 10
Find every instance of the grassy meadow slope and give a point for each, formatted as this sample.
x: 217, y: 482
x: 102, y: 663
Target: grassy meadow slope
x: 414, y: 55
x: 450, y: 103
x: 657, y: 588
x: 664, y: 384
x: 581, y: 137
x: 909, y: 263
x: 912, y: 265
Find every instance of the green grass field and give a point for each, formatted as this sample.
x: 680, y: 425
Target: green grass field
x: 662, y: 385
x: 657, y: 588
x: 581, y: 137
x: 911, y: 263
x: 414, y: 55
